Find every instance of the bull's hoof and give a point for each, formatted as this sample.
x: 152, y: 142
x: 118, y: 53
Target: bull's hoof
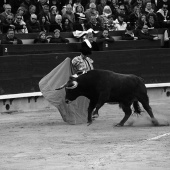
x: 155, y: 122
x: 119, y: 125
x: 95, y: 116
x: 89, y: 123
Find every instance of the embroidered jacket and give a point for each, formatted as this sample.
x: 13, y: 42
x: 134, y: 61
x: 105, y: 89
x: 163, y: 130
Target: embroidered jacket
x: 80, y: 64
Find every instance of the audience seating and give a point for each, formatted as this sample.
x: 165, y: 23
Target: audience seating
x: 74, y: 47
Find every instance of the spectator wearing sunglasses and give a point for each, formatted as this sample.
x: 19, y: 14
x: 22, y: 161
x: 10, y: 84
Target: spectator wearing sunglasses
x: 163, y: 16
x: 3, y: 15
x: 33, y: 25
x: 10, y: 38
x: 8, y: 23
x: 20, y: 25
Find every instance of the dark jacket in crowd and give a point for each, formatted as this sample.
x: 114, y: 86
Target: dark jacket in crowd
x: 33, y: 27
x: 59, y: 40
x: 6, y: 40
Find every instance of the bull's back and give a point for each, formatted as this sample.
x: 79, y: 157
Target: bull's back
x: 118, y: 84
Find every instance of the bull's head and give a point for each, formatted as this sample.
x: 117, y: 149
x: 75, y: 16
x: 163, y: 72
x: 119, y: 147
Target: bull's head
x: 71, y: 88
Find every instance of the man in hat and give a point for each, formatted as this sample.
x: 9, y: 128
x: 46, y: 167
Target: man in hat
x: 81, y: 25
x: 83, y: 63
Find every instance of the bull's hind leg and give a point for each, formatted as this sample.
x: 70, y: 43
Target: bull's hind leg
x: 144, y: 100
x: 91, y: 107
x: 128, y: 112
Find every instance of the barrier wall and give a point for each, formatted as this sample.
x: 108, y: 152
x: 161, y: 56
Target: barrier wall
x: 21, y: 73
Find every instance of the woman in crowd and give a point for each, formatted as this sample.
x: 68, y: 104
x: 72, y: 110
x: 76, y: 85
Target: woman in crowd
x: 52, y: 14
x: 41, y: 38
x: 57, y: 38
x: 79, y: 10
x: 44, y: 24
x: 66, y: 25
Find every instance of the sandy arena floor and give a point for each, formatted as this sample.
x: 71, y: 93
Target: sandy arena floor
x: 42, y: 141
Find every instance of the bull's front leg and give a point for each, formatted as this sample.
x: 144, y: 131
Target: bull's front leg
x: 90, y: 111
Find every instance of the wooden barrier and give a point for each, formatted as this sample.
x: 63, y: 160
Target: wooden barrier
x: 8, y: 49
x: 22, y: 73
x: 130, y: 44
x: 117, y: 35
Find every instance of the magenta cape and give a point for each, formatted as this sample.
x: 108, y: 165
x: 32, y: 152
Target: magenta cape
x: 76, y: 111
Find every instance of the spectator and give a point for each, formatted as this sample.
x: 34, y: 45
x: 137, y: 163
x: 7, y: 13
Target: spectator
x: 57, y: 24
x: 69, y: 14
x: 95, y: 24
x: 129, y: 34
x: 87, y: 6
x: 20, y: 25
x: 56, y: 3
x: 141, y: 22
x: 68, y: 2
x: 31, y: 10
x: 101, y: 6
x: 164, y: 16
x: 44, y: 13
x: 104, y: 38
x: 135, y: 15
x: 128, y: 7
x: 8, y: 23
x: 91, y: 12
x: 139, y: 4
x: 75, y: 4
x: 44, y: 24
x: 104, y: 17
x: 119, y: 22
x: 26, y: 4
x: 144, y: 34
x: 122, y: 10
x: 148, y: 8
x: 81, y: 25
x: 40, y: 4
x: 3, y: 15
x: 110, y: 25
x: 10, y: 38
x: 152, y: 21
x: 79, y: 10
x: 21, y: 12
x: 52, y: 14
x: 67, y: 26
x: 33, y: 25
x: 114, y: 7
x: 41, y: 38
x: 57, y: 38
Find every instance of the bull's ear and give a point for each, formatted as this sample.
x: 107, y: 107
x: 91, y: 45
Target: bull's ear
x: 72, y: 85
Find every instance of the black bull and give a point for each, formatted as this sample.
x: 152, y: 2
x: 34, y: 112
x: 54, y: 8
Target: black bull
x: 102, y: 86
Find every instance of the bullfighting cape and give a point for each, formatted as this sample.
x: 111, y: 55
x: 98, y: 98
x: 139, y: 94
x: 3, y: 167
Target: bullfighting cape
x: 76, y: 111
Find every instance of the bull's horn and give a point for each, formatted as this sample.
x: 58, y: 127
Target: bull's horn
x: 75, y: 84
x: 61, y: 87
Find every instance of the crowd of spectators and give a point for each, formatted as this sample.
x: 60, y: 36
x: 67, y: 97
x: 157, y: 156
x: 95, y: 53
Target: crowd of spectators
x: 44, y: 16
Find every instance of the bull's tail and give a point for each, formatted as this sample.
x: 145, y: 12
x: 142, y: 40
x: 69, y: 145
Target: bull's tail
x: 137, y: 108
